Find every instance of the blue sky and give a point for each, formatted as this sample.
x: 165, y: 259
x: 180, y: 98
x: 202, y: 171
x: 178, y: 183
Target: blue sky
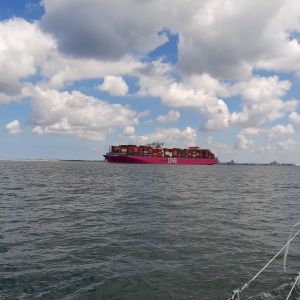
x: 221, y: 75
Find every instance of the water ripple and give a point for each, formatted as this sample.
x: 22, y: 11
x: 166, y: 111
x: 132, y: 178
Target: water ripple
x: 83, y: 230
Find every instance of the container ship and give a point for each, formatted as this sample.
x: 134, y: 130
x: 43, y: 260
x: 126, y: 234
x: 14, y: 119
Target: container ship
x: 156, y: 154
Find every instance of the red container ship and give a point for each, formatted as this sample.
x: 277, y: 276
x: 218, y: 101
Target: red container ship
x: 155, y: 154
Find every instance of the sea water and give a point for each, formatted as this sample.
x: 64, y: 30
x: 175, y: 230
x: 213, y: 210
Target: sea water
x: 93, y: 230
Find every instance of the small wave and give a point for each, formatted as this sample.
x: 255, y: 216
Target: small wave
x: 280, y: 293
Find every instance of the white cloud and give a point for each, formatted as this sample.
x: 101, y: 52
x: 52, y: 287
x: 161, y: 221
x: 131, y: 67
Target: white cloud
x: 262, y: 103
x: 114, y: 85
x: 172, y: 137
x: 219, y: 148
x: 31, y: 50
x: 154, y: 78
x: 23, y: 48
x: 261, y: 89
x: 38, y: 130
x: 244, y: 143
x: 222, y: 45
x: 208, y: 84
x: 171, y: 116
x: 214, y: 109
x: 294, y: 117
x: 197, y: 92
x: 13, y: 127
x: 288, y: 145
x: 129, y: 130
x: 6, y: 98
x: 261, y: 97
x: 280, y: 130
x: 77, y: 114
x: 228, y: 38
x: 60, y: 69
x: 251, y: 131
x: 225, y: 39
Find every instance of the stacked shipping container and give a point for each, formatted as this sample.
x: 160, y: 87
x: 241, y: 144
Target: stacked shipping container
x: 191, y: 152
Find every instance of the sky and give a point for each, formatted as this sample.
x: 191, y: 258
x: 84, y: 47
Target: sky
x: 79, y: 75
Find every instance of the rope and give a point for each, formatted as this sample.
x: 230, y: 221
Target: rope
x: 287, y: 248
x: 296, y: 280
x: 237, y: 293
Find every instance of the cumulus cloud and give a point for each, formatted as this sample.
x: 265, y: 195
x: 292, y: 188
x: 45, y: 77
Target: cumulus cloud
x: 114, y: 85
x: 262, y: 103
x: 38, y: 130
x: 32, y: 51
x: 172, y: 137
x: 13, y: 127
x: 251, y: 131
x: 77, y: 114
x: 129, y: 130
x: 261, y: 98
x: 60, y: 69
x: 171, y: 116
x: 218, y: 147
x: 23, y: 48
x: 209, y: 40
x: 280, y: 130
x: 109, y: 30
x: 214, y: 109
x: 158, y: 83
x: 243, y: 143
x: 226, y: 39
x: 294, y: 117
x: 208, y: 84
x: 288, y: 144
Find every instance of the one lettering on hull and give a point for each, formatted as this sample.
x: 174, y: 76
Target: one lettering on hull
x: 172, y: 160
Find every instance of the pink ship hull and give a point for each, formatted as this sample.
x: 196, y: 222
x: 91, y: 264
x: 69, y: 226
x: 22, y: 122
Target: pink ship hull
x: 132, y: 159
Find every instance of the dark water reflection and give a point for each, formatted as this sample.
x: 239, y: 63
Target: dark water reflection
x: 86, y: 230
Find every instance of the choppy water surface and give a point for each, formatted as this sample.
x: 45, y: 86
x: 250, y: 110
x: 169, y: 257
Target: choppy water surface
x: 87, y: 230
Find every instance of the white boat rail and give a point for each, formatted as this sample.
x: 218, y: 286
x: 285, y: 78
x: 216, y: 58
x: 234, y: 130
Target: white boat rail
x: 236, y: 294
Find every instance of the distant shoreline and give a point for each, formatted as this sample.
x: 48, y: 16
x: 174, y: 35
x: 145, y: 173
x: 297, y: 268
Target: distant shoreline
x: 273, y: 163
